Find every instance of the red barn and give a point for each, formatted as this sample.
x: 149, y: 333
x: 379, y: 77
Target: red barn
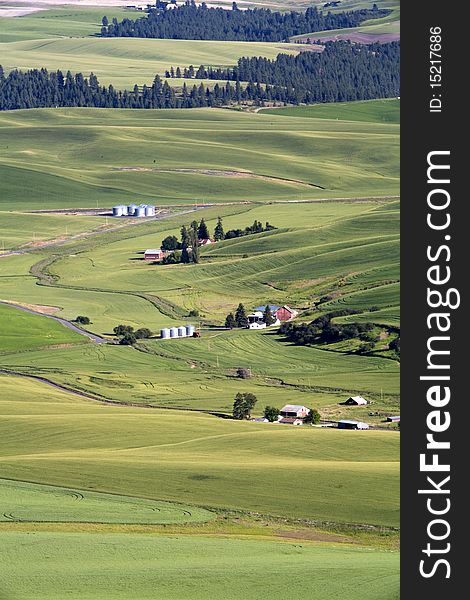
x: 283, y: 313
x: 154, y: 254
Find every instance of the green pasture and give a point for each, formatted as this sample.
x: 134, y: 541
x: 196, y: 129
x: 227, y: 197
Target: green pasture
x: 26, y: 502
x: 199, y: 373
x: 124, y: 62
x: 52, y: 566
x: 62, y: 22
x: 96, y: 157
x: 198, y: 459
x: 21, y: 331
x: 347, y: 246
x: 27, y: 229
x: 373, y: 111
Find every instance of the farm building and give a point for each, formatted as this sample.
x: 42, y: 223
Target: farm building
x: 282, y: 313
x: 206, y: 242
x: 294, y: 411
x: 355, y: 401
x: 394, y: 419
x: 255, y: 320
x: 153, y: 254
x: 345, y: 424
x: 291, y: 421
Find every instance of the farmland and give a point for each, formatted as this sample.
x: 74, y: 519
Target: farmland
x: 94, y: 157
x: 212, y: 568
x: 120, y: 473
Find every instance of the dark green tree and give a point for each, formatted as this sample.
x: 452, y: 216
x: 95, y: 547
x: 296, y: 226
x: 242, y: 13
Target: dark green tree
x: 184, y: 237
x: 105, y: 21
x: 230, y: 322
x: 185, y: 257
x: 81, y: 320
x: 123, y: 330
x: 170, y: 243
x: 202, y: 231
x: 268, y: 316
x: 143, y: 333
x: 313, y: 417
x: 243, y: 405
x: 195, y: 250
x: 271, y: 413
x: 128, y: 339
x: 240, y: 316
x: 219, y: 230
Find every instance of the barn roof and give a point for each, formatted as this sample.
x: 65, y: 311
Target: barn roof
x: 292, y: 407
x: 358, y: 399
x: 271, y: 306
x: 153, y: 251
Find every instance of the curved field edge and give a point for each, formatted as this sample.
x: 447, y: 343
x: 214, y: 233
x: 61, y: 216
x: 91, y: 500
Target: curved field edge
x: 30, y: 502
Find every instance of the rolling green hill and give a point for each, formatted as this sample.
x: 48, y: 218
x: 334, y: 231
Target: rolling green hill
x: 89, y: 157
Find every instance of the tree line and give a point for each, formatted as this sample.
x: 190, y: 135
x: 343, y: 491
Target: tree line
x: 342, y: 72
x: 323, y: 331
x: 192, y: 22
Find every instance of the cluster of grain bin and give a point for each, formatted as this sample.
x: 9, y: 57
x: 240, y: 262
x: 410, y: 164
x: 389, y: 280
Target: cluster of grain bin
x: 134, y: 210
x: 178, y: 332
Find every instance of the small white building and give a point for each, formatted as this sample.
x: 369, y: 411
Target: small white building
x: 255, y: 320
x: 356, y: 401
x: 346, y: 424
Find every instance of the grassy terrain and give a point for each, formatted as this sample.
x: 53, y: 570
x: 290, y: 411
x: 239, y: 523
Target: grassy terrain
x: 127, y: 61
x: 375, y: 111
x: 85, y: 157
x: 24, y: 331
x: 27, y: 502
x: 20, y: 229
x: 48, y: 436
x: 64, y: 22
x: 130, y: 566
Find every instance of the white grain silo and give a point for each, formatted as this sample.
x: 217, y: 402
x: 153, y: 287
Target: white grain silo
x: 165, y: 333
x: 117, y: 211
x: 150, y: 211
x: 182, y: 331
x: 139, y: 211
x: 174, y: 332
x: 190, y: 329
x: 131, y: 209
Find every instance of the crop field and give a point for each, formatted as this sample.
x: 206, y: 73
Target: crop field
x: 23, y: 331
x: 124, y: 62
x: 197, y: 459
x: 89, y: 157
x: 27, y: 502
x: 148, y: 567
x: 378, y: 111
x: 117, y: 496
x: 29, y: 229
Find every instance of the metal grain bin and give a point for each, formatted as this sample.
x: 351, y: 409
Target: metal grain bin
x: 131, y: 209
x: 190, y: 329
x: 117, y: 211
x: 165, y: 334
x: 139, y: 211
x: 181, y: 331
x: 150, y: 211
x: 174, y: 332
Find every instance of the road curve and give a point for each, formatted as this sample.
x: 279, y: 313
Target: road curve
x: 95, y: 338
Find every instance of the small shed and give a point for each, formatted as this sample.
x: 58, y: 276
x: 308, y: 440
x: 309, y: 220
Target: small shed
x: 206, y: 242
x: 291, y: 421
x: 346, y: 424
x: 356, y: 401
x: 394, y: 419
